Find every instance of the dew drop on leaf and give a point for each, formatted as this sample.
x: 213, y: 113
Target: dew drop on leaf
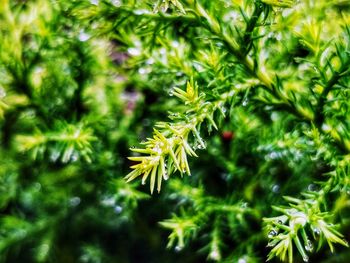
x: 305, y: 258
x: 54, y: 156
x: 272, y: 233
x: 178, y: 248
x: 118, y: 209
x: 166, y: 176
x: 309, y: 246
x: 116, y: 3
x: 214, y: 255
x: 317, y: 231
x: 275, y: 188
x: 74, y: 201
x: 242, y: 260
x: 83, y: 36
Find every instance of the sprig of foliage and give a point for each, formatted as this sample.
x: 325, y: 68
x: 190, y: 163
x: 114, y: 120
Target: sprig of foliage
x: 308, y: 220
x: 305, y: 86
x: 200, y: 211
x: 67, y: 142
x: 168, y: 149
x: 301, y: 225
x: 61, y: 102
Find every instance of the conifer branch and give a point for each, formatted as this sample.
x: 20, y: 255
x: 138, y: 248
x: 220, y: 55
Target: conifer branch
x: 319, y: 118
x: 167, y: 151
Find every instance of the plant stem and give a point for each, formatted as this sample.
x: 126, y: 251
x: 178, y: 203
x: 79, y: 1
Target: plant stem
x: 320, y: 117
x: 238, y: 51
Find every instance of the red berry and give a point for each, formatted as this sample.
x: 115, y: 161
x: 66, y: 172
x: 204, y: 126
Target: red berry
x: 227, y: 136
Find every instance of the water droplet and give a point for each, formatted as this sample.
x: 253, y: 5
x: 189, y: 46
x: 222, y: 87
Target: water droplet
x: 143, y: 182
x: 175, y: 44
x: 305, y: 258
x: 108, y: 201
x: 272, y: 233
x: 279, y: 37
x: 242, y: 260
x: 74, y: 201
x: 273, y: 155
x: 282, y: 220
x: 166, y: 176
x: 150, y: 61
x: 178, y: 248
x: 276, y: 188
x: 74, y: 157
x: 54, y: 156
x: 174, y: 115
x: 316, y: 231
x: 325, y: 127
x: 274, y: 116
x: 83, y: 36
x: 200, y: 146
x: 309, y: 246
x: 143, y: 71
x: 245, y: 103
x: 141, y: 12
x: 116, y: 3
x: 312, y: 187
x: 118, y: 209
x: 244, y: 205
x: 173, y: 196
x: 214, y: 255
x: 134, y: 51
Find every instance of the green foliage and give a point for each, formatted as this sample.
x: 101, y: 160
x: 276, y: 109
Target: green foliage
x: 282, y: 60
x: 58, y: 163
x: 250, y: 98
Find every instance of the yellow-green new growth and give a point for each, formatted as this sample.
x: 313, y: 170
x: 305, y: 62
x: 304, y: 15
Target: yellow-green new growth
x: 163, y: 156
x: 166, y: 152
